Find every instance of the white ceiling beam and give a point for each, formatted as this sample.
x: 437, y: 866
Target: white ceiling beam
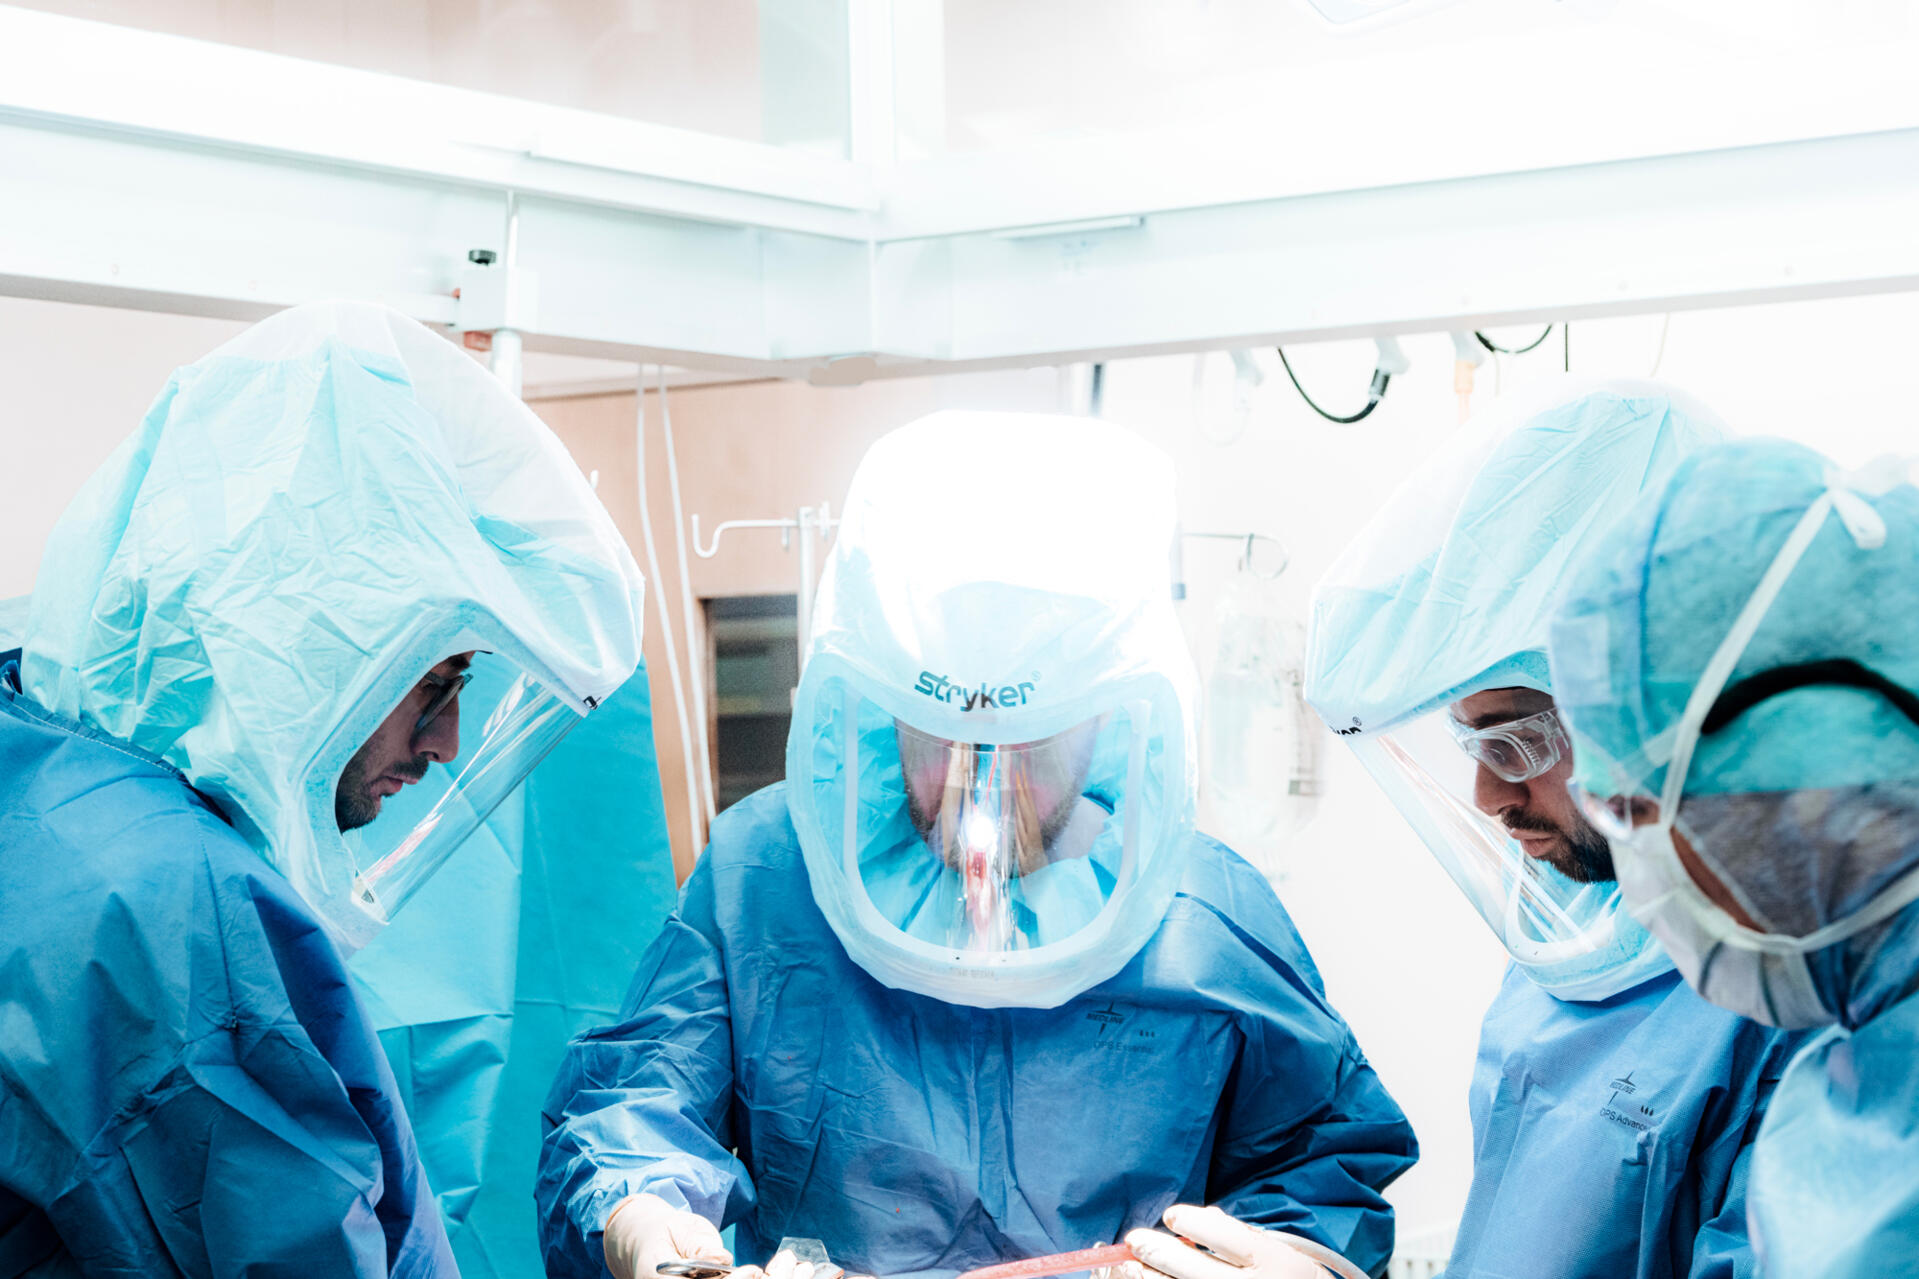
x: 89, y: 217
x: 69, y: 73
x: 1760, y: 224
x: 209, y: 184
x: 1519, y: 103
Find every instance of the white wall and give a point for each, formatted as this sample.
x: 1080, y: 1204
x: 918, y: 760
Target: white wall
x: 1403, y: 957
x: 77, y: 380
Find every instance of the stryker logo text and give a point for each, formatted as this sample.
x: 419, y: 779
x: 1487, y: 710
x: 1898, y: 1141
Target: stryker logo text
x: 983, y: 698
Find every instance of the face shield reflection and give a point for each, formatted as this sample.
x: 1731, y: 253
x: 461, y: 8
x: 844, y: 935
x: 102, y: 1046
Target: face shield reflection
x: 988, y: 860
x: 440, y: 762
x: 983, y: 849
x: 1484, y: 782
x: 995, y: 815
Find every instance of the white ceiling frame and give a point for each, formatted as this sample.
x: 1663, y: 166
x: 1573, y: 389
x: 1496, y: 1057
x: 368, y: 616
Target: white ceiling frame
x: 151, y: 171
x: 67, y: 72
x: 1517, y: 104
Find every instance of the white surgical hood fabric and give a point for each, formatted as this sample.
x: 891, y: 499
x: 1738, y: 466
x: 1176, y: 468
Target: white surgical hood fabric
x: 1448, y: 591
x: 1450, y: 586
x: 999, y: 579
x: 306, y: 521
x: 13, y: 621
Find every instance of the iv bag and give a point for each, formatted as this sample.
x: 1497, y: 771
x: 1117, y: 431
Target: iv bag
x: 1262, y: 742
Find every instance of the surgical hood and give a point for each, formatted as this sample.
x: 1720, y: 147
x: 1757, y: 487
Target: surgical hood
x: 990, y: 767
x: 306, y: 521
x: 994, y: 570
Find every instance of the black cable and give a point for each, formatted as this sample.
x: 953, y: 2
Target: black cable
x: 1489, y: 344
x: 1375, y: 393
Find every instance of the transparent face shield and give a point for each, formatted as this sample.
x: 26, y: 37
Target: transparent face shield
x: 459, y: 742
x: 1489, y: 798
x: 976, y: 853
x: 1006, y: 840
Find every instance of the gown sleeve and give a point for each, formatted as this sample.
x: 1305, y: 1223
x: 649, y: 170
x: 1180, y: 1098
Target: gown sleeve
x: 644, y: 1105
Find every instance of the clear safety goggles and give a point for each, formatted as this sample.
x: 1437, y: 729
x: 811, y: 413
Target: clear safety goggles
x: 1516, y: 751
x: 437, y: 766
x: 1572, y: 935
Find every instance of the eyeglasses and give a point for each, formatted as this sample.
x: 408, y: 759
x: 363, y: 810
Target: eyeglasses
x: 446, y: 689
x: 1518, y: 750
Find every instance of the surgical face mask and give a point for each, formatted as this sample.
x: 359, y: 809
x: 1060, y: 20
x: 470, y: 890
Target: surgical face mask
x: 1748, y: 973
x: 1759, y: 974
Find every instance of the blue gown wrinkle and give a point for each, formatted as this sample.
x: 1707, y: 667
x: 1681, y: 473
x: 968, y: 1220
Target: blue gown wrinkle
x: 1835, y: 1182
x: 187, y: 1086
x: 1612, y: 1138
x: 915, y: 1136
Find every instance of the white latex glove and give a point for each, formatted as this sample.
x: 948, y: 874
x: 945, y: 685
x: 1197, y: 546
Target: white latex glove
x: 645, y: 1232
x: 785, y: 1266
x: 1233, y: 1249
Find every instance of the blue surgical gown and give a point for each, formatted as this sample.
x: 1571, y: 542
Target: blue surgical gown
x: 1835, y: 1172
x: 761, y: 1078
x: 1611, y: 1139
x: 187, y: 1083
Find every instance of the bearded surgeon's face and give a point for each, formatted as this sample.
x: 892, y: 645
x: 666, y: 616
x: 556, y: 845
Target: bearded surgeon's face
x: 402, y: 748
x: 1540, y: 813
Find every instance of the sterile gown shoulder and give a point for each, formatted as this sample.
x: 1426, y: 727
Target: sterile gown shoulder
x: 187, y: 1085
x: 1613, y: 1138
x: 1835, y: 1180
x: 917, y: 1137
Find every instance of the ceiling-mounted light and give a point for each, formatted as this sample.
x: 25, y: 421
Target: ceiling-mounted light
x: 1341, y: 12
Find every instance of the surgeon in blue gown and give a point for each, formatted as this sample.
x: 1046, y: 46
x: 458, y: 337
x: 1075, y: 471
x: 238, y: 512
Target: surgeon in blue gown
x: 246, y: 660
x: 1613, y: 1110
x: 1740, y: 665
x: 190, y: 1087
x: 966, y: 987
